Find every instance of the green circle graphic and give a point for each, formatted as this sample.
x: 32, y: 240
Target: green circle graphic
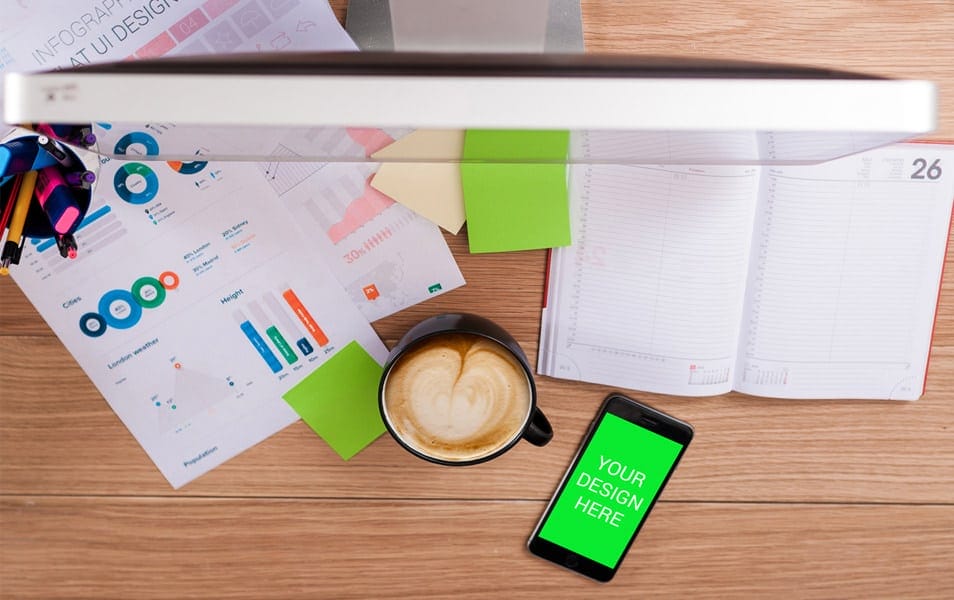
x: 145, y: 282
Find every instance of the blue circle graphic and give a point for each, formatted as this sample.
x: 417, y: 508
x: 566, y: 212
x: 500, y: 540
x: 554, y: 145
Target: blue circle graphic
x: 121, y: 183
x: 121, y: 321
x: 93, y: 324
x: 137, y: 137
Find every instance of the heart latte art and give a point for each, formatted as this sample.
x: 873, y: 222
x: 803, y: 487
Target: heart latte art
x: 457, y: 397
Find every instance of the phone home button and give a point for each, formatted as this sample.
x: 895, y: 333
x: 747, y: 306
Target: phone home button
x: 572, y: 561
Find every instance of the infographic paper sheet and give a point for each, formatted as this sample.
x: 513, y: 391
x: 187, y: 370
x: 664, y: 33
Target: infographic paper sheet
x: 193, y: 305
x: 387, y: 257
x: 52, y: 34
x: 384, y: 254
x: 203, y: 291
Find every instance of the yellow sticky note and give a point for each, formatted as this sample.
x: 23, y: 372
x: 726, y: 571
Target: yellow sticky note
x: 422, y: 172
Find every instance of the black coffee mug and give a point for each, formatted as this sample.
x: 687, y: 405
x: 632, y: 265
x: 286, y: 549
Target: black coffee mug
x: 424, y: 357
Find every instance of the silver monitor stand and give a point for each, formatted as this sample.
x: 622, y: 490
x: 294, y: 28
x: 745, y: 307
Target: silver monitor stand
x: 466, y: 25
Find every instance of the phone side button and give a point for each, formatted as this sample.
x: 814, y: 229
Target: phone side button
x: 572, y: 561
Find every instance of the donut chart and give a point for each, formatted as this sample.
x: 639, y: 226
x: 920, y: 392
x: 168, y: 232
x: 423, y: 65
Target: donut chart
x: 136, y: 183
x: 169, y: 280
x: 148, y: 292
x: 122, y: 309
x: 187, y: 168
x: 140, y: 138
x: 92, y: 324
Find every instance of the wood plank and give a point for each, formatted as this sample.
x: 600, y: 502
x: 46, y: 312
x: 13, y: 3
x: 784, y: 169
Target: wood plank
x: 890, y: 37
x: 70, y: 547
x: 57, y: 434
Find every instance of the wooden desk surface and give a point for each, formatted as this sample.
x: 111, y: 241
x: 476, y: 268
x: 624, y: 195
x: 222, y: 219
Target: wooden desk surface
x: 775, y: 498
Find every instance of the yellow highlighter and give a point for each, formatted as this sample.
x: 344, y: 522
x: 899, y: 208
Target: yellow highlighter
x: 11, y: 249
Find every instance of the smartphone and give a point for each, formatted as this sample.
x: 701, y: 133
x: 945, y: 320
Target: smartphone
x: 623, y: 464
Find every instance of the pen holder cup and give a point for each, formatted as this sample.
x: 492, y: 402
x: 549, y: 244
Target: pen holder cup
x: 37, y: 224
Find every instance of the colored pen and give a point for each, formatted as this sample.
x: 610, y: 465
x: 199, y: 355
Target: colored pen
x: 80, y: 179
x: 55, y: 150
x: 11, y: 200
x: 74, y: 134
x: 57, y: 200
x: 86, y: 137
x: 11, y: 248
x: 22, y: 155
x: 66, y: 244
x: 59, y: 132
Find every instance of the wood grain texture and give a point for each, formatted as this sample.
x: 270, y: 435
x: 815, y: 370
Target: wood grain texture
x: 227, y: 548
x: 774, y: 498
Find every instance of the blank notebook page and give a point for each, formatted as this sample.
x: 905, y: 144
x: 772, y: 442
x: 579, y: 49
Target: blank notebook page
x: 649, y: 296
x: 843, y: 282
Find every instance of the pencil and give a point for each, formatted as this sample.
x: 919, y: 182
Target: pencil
x: 11, y: 249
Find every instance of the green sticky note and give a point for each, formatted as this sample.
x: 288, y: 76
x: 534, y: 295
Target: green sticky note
x: 339, y: 400
x: 514, y: 184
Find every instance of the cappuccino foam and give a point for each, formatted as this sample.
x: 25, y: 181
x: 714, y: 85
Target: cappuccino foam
x: 457, y: 397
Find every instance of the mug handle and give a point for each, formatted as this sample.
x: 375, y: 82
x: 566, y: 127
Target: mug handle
x: 538, y: 432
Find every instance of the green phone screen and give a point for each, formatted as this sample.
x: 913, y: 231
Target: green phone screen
x: 611, y: 489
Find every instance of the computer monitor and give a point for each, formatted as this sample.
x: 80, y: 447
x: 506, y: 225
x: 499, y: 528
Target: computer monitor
x: 628, y: 109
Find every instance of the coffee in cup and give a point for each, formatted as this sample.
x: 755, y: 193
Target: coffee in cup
x: 455, y: 393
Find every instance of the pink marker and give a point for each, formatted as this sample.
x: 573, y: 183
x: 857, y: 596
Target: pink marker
x: 57, y: 200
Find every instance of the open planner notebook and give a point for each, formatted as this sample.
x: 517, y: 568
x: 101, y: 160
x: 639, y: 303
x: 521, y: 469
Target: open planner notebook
x: 815, y: 281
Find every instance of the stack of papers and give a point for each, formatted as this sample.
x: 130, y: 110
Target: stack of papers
x: 212, y: 304
x: 200, y: 297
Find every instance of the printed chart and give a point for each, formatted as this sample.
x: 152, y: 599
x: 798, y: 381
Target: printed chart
x: 270, y: 325
x: 346, y: 206
x: 200, y: 316
x: 170, y: 250
x: 285, y: 172
x: 383, y: 253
